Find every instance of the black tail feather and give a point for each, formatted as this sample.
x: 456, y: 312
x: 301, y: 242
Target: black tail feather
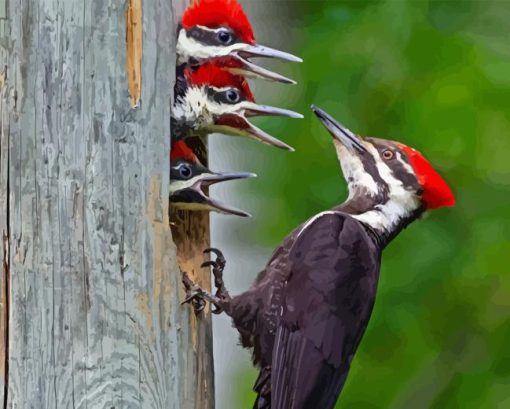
x: 263, y: 388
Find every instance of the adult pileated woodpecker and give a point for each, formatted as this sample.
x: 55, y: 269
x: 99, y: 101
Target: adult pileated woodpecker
x: 189, y: 178
x: 220, y: 29
x: 215, y: 100
x: 307, y: 311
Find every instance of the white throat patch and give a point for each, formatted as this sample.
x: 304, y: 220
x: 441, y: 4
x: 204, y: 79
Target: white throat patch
x: 188, y: 48
x: 354, y: 172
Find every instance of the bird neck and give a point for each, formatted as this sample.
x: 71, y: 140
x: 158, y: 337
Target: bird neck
x: 384, y: 220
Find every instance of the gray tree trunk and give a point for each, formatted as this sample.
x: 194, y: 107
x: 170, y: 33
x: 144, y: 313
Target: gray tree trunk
x: 90, y: 290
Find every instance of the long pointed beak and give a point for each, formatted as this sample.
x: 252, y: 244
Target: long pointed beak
x: 219, y: 177
x: 252, y: 110
x: 338, y: 131
x: 223, y: 208
x: 237, y: 125
x: 194, y: 198
x: 246, y: 68
x: 262, y: 51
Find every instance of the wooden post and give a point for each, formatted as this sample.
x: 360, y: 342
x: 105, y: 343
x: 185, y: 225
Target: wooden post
x: 90, y: 290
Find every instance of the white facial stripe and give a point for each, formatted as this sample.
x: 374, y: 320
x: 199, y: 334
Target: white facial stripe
x: 354, y: 171
x: 395, y: 186
x: 222, y: 89
x: 405, y: 164
x: 176, y: 185
x: 211, y: 30
x: 188, y: 48
x: 400, y: 204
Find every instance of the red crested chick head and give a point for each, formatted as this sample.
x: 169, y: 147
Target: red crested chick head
x: 181, y: 151
x: 219, y: 13
x: 213, y: 75
x: 215, y: 100
x: 220, y: 30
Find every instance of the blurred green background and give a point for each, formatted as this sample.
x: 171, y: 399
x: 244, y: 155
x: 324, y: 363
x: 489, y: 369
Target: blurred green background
x: 436, y: 76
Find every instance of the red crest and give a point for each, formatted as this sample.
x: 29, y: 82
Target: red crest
x: 182, y: 151
x: 219, y: 13
x: 436, y: 192
x: 213, y: 74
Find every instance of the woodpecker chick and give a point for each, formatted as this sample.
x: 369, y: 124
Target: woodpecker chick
x: 189, y: 178
x: 306, y: 313
x: 220, y: 29
x: 217, y: 101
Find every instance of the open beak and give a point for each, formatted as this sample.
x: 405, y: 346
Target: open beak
x: 251, y: 109
x: 339, y: 132
x: 194, y: 197
x: 237, y: 125
x: 245, y: 67
x: 262, y: 51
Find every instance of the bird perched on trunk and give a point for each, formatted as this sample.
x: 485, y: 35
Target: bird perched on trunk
x: 220, y: 30
x: 215, y: 100
x: 306, y: 313
x: 189, y: 178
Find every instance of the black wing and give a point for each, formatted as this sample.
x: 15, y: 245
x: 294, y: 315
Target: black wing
x: 327, y: 303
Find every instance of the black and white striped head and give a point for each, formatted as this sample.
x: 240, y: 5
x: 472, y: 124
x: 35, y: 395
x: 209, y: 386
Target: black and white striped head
x: 220, y: 29
x: 189, y: 180
x: 388, y: 182
x: 218, y: 101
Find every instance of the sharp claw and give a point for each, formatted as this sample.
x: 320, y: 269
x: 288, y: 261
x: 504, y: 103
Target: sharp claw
x: 191, y: 297
x: 186, y: 281
x: 199, y: 308
x: 215, y: 251
x: 209, y: 264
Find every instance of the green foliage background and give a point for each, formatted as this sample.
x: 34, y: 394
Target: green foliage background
x: 434, y: 75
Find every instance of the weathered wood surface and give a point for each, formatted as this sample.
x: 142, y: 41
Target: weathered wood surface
x: 191, y: 234
x: 89, y: 276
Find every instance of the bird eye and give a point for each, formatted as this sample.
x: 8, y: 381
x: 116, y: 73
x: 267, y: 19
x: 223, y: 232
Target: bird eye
x: 233, y: 96
x: 387, y: 154
x: 185, y: 171
x: 224, y: 37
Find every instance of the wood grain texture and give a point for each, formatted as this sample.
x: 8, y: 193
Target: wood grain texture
x: 93, y: 301
x: 4, y: 225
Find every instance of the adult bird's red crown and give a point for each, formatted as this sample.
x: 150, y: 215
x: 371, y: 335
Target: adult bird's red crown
x: 436, y: 192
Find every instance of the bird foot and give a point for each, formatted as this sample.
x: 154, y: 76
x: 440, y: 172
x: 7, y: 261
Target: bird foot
x: 218, y: 265
x: 196, y: 296
x: 193, y: 294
